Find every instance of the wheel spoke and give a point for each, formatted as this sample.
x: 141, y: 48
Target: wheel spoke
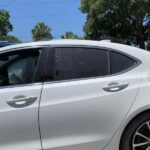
x: 148, y: 125
x: 140, y: 144
x: 143, y: 136
x: 141, y: 139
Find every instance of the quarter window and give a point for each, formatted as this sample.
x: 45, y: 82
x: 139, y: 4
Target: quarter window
x: 18, y: 67
x: 75, y: 63
x: 120, y: 62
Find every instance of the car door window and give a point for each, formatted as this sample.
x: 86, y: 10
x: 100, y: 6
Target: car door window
x: 120, y: 62
x: 67, y: 63
x: 76, y: 63
x: 18, y: 67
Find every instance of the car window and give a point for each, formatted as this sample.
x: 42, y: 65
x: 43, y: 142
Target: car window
x: 18, y: 67
x: 75, y: 63
x: 120, y: 62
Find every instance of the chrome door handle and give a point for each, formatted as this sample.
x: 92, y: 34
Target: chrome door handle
x: 115, y: 87
x: 21, y: 101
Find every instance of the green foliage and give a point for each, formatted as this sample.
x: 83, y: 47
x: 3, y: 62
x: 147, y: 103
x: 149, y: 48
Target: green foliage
x: 5, y: 25
x: 10, y: 38
x: 41, y: 32
x: 148, y: 45
x: 70, y: 35
x: 128, y: 20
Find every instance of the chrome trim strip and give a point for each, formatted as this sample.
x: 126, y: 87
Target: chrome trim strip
x: 138, y: 62
x: 21, y: 85
x: 23, y: 48
x: 95, y: 47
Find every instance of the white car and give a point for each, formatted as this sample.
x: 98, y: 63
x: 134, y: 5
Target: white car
x: 74, y: 95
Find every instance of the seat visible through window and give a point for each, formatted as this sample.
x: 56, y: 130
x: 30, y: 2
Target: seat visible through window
x: 18, y: 67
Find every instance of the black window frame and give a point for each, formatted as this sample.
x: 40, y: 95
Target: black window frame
x: 51, y: 63
x: 40, y: 68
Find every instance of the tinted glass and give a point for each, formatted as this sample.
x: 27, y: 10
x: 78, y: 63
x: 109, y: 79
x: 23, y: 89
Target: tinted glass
x: 18, y: 67
x: 75, y: 63
x: 120, y: 62
x: 3, y: 44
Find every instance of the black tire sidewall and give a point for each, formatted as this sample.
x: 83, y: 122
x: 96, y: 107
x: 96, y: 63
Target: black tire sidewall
x: 132, y: 127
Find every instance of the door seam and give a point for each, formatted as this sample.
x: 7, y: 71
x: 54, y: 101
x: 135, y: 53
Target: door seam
x: 40, y: 135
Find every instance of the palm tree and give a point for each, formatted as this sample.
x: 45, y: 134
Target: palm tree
x: 41, y: 32
x: 70, y: 35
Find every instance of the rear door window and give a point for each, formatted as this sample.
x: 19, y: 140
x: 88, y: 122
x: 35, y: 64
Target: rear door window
x: 76, y: 63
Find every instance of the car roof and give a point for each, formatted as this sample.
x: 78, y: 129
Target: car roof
x: 134, y: 51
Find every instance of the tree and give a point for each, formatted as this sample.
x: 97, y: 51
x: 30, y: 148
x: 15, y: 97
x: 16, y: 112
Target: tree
x: 128, y: 20
x: 70, y: 35
x: 148, y: 45
x: 10, y: 38
x: 5, y: 25
x: 41, y: 32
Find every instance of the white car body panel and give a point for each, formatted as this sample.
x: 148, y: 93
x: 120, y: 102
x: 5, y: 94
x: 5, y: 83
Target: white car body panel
x: 19, y: 129
x: 81, y: 112
x: 77, y: 114
x: 141, y: 104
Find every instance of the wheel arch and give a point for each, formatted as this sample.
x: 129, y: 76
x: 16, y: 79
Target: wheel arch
x: 134, y: 117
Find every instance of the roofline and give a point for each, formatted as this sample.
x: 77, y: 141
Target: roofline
x: 74, y: 42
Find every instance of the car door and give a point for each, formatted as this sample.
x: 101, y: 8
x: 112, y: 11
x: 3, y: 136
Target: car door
x: 20, y: 91
x: 86, y: 95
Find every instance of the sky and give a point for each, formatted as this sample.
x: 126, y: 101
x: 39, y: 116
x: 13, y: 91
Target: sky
x: 59, y: 15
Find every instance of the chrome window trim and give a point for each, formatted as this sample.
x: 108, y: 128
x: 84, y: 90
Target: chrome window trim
x: 23, y: 48
x: 82, y: 79
x: 21, y: 85
x: 96, y: 47
x: 138, y: 63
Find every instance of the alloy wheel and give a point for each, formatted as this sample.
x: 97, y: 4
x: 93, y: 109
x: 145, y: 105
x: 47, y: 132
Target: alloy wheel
x: 141, y: 138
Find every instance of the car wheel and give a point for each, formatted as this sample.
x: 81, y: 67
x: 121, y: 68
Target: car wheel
x: 137, y: 134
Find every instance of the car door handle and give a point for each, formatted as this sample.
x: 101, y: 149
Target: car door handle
x: 21, y: 101
x: 115, y: 87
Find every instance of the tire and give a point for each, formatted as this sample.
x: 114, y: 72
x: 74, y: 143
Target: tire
x: 133, y: 134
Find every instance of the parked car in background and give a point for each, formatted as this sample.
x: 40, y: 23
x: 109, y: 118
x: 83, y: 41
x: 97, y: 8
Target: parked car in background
x: 74, y: 95
x: 3, y: 43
